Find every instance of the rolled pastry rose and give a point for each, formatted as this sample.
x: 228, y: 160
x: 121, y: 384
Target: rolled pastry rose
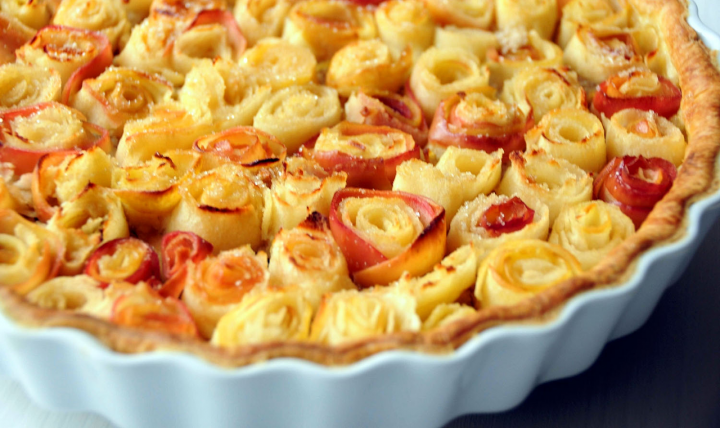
x: 302, y: 188
x: 586, y: 13
x: 260, y: 19
x: 538, y: 15
x: 446, y: 313
x: 473, y: 40
x: 298, y: 113
x: 473, y: 13
x: 590, y: 230
x: 633, y: 132
x: 351, y: 315
x: 325, y: 26
x: 215, y: 285
x: 368, y: 154
x: 14, y: 34
x: 637, y: 89
x: 75, y: 53
x: 245, y: 146
x: 104, y: 16
x: 370, y: 65
x: 491, y: 220
x: 213, y: 33
x: 383, y: 234
x: 149, y: 191
x: 149, y: 49
x: 265, y: 316
x: 29, y: 253
x: 541, y: 90
x: 23, y: 85
x: 517, y: 270
x: 571, y: 134
x: 178, y: 250
x: 380, y: 108
x: 598, y: 52
x: 169, y: 127
x: 405, y: 23
x: 308, y: 257
x: 34, y: 14
x: 635, y: 184
x: 439, y: 74
x: 128, y: 260
x: 60, y: 176
x: 143, y: 308
x: 475, y: 121
x: 119, y: 95
x: 554, y: 182
x: 459, y: 176
x: 279, y: 63
x: 28, y: 133
x: 183, y: 13
x: 79, y: 293
x: 95, y: 212
x: 447, y: 281
x: 518, y: 50
x: 222, y: 93
x: 223, y: 206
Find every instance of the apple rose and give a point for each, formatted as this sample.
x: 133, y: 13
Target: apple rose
x: 23, y: 85
x: 266, y: 316
x: 119, y: 95
x: 473, y: 13
x: 223, y: 206
x: 383, y: 234
x: 60, y: 176
x: 402, y: 23
x: 308, y: 257
x: 168, y: 128
x: 143, y: 308
x: 14, y: 34
x: 246, y: 146
x: 279, y: 63
x: 29, y: 253
x: 459, y: 176
x: 555, y: 182
x: 538, y: 91
x: 368, y: 154
x: 104, y: 16
x: 149, y: 191
x: 517, y: 270
x: 178, y: 250
x: 474, y: 40
x: 538, y: 15
x: 213, y: 33
x: 444, y: 284
x: 298, y: 113
x: 571, y: 134
x: 638, y: 89
x: 379, y: 108
x: 34, y: 14
x: 259, y: 19
x: 302, y: 188
x: 28, y: 133
x: 181, y: 12
x: 325, y: 26
x: 518, y: 51
x: 474, y: 121
x: 446, y: 313
x: 215, y: 285
x: 598, y: 52
x: 352, y: 315
x: 128, y: 260
x: 368, y: 64
x: 577, y: 13
x: 79, y: 293
x: 439, y: 74
x: 76, y: 54
x: 590, y: 230
x: 489, y: 221
x: 635, y: 132
x: 635, y: 184
x: 149, y: 49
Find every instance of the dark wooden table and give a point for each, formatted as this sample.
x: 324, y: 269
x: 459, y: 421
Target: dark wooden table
x: 666, y: 374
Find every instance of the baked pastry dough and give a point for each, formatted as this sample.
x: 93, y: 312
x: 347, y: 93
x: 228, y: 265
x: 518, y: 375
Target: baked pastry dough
x: 517, y: 49
x: 279, y: 63
x: 402, y: 23
x: 79, y: 293
x: 104, y: 16
x: 474, y: 40
x: 446, y: 313
x: 259, y: 19
x: 23, y: 85
x: 538, y: 15
x: 473, y: 13
x: 585, y: 13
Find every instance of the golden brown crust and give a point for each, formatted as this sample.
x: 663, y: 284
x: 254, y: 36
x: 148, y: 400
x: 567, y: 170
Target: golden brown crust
x: 697, y: 178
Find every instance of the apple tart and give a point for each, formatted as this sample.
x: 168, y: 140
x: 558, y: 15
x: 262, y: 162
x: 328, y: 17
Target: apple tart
x: 328, y: 179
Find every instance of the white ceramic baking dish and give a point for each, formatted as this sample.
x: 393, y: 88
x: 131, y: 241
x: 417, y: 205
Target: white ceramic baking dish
x: 67, y: 369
